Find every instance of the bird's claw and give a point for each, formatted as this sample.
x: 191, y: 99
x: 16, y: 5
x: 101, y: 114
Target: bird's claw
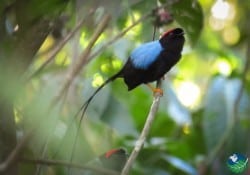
x: 158, y: 91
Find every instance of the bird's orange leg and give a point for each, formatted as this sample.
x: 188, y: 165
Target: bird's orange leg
x: 155, y: 90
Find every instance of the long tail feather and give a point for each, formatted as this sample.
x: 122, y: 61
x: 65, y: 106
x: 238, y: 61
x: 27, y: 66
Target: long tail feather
x: 85, y: 106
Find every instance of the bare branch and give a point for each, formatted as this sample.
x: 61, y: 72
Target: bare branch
x: 85, y: 58
x: 119, y: 35
x: 147, y: 126
x: 60, y: 45
x: 12, y: 158
x: 100, y: 170
x: 75, y: 69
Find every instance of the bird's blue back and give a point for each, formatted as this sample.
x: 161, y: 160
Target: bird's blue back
x: 143, y: 56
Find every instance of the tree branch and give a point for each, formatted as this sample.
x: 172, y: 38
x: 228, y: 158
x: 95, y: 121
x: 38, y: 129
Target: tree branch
x: 100, y: 170
x: 119, y: 35
x: 147, y: 126
x: 12, y: 158
x: 84, y: 58
x: 60, y: 45
x: 18, y: 52
x: 75, y: 69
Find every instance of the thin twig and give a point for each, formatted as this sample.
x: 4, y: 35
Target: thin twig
x: 60, y: 45
x: 45, y: 147
x: 13, y: 157
x: 141, y: 140
x: 111, y: 41
x: 119, y: 35
x: 75, y: 69
x: 86, y: 56
x: 100, y: 170
x: 52, y: 55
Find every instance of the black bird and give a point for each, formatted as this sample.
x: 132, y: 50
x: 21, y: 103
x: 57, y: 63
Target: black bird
x: 152, y: 60
x: 149, y: 62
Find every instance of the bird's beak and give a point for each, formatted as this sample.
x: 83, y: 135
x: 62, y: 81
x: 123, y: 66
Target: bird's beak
x: 178, y: 32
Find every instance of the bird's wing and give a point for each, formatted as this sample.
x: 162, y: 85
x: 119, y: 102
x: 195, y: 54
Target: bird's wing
x: 143, y: 56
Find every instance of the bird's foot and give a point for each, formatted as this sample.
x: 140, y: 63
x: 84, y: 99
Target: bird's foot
x: 158, y: 91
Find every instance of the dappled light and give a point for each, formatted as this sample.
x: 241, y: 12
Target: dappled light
x: 231, y: 35
x: 188, y: 93
x: 62, y: 58
x: 221, y: 9
x: 97, y: 80
x: 223, y: 67
x: 130, y: 20
x: 186, y: 129
x: 74, y: 100
x: 115, y: 64
x: 222, y: 15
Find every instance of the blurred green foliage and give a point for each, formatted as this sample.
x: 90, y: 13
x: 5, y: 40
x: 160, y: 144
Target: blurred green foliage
x: 196, y: 111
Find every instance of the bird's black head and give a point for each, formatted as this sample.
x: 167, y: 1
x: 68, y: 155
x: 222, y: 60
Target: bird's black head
x: 173, y: 40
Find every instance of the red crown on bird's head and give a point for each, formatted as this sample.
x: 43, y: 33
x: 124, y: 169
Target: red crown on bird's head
x: 176, y: 31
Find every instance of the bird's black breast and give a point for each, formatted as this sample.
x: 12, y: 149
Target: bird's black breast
x: 134, y: 76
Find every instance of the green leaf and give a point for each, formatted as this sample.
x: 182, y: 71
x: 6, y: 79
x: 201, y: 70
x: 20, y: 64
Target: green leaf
x: 215, y: 113
x: 188, y: 13
x: 179, y: 164
x: 118, y: 118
